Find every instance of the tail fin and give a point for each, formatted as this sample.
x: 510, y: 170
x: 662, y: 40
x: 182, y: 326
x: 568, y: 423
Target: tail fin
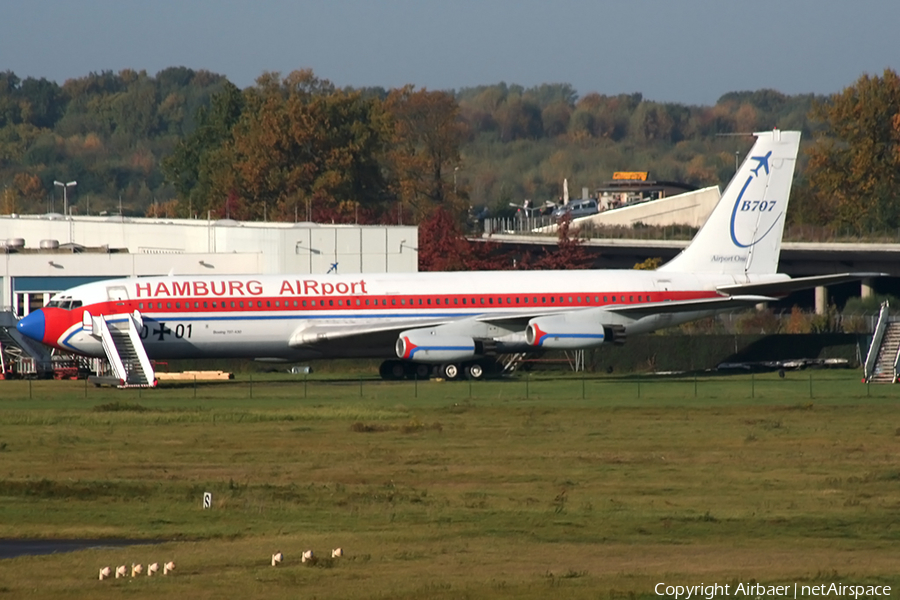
x: 743, y: 233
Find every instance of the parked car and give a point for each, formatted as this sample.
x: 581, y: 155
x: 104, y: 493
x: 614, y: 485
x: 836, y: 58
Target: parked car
x: 578, y: 208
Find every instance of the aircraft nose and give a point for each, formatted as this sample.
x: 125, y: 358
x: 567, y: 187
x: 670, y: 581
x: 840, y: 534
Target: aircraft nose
x: 32, y: 326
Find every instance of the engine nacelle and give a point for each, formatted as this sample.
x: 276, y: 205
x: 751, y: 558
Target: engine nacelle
x: 561, y: 333
x: 422, y: 346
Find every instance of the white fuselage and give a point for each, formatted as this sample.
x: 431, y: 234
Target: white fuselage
x: 257, y: 316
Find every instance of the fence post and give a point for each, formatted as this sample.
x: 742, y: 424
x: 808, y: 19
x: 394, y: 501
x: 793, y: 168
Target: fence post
x: 29, y: 388
x: 251, y: 386
x: 582, y: 385
x: 695, y: 385
x: 195, y: 386
x: 85, y: 386
x: 527, y: 381
x: 360, y: 386
x: 639, y: 385
x: 753, y: 385
x: 305, y: 379
x: 417, y: 384
x: 810, y: 384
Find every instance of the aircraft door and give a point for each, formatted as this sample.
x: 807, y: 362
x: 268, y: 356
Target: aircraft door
x: 117, y: 293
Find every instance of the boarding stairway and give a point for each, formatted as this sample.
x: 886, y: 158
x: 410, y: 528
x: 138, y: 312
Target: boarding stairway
x: 124, y: 350
x: 884, y: 352
x: 19, y: 356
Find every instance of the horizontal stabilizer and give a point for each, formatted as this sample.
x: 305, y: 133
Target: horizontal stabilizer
x: 786, y: 286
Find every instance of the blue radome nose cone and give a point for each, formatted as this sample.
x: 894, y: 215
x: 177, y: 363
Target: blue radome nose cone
x: 32, y: 326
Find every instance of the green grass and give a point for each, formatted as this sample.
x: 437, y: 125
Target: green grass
x: 528, y: 488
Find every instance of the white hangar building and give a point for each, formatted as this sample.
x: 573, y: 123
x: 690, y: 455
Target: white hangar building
x: 43, y: 254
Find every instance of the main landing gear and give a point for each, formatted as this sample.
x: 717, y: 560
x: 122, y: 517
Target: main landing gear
x: 394, y: 370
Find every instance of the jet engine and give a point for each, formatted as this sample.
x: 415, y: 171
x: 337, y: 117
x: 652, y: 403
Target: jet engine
x: 561, y: 332
x: 422, y: 346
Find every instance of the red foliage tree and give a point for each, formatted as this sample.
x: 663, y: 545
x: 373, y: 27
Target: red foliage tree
x: 443, y: 247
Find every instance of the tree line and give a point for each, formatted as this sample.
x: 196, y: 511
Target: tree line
x: 190, y: 143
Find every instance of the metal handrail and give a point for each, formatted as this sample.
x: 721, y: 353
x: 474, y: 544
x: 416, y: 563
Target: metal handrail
x: 877, y: 338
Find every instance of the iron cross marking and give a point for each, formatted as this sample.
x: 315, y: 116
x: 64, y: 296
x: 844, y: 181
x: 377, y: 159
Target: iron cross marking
x: 162, y: 332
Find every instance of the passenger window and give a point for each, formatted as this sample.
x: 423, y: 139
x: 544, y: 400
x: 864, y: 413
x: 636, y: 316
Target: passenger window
x: 205, y: 305
x: 140, y: 305
x: 631, y: 298
x: 552, y: 300
x: 331, y: 303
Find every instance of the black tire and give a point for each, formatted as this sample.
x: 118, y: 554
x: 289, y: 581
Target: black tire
x: 450, y: 371
x: 391, y: 370
x: 475, y: 371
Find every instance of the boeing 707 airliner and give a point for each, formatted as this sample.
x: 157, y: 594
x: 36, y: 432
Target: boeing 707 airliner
x: 452, y: 324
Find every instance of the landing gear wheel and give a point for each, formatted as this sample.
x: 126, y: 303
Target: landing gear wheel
x: 391, y: 370
x: 474, y: 371
x: 422, y: 371
x: 451, y: 371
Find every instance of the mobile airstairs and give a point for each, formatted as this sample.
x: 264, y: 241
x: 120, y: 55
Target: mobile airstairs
x: 20, y: 356
x: 122, y: 343
x: 884, y: 351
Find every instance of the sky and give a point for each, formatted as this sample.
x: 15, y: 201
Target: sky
x: 687, y: 51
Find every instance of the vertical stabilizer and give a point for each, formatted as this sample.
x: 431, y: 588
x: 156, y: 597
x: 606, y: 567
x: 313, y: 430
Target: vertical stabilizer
x: 743, y: 233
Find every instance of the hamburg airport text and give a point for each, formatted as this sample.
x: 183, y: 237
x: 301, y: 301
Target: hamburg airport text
x: 760, y: 591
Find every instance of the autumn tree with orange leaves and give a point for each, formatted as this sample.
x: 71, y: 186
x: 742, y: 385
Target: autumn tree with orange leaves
x: 854, y: 167
x: 303, y: 147
x: 424, y: 150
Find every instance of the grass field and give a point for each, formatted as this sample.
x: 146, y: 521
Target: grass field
x: 529, y: 488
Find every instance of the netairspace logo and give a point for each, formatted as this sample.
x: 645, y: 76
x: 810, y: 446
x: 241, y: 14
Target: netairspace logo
x: 761, y: 592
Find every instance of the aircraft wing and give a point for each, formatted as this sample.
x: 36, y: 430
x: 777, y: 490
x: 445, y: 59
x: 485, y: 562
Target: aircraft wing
x: 786, y: 286
x: 386, y: 333
x: 680, y: 306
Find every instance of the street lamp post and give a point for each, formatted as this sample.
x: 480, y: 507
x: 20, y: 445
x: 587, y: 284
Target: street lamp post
x: 65, y: 187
